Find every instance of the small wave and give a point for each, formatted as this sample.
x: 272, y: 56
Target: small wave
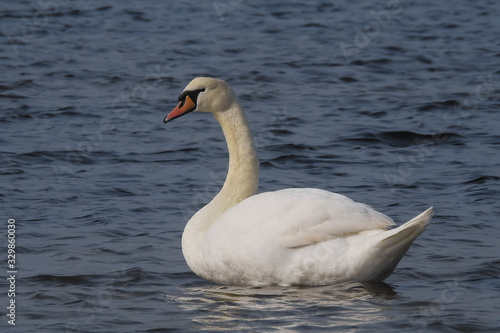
x: 291, y: 147
x: 175, y: 151
x: 20, y: 84
x: 64, y: 279
x: 12, y: 96
x: 348, y: 79
x: 291, y: 157
x: 118, y: 192
x: 44, y: 156
x: 486, y: 270
x: 438, y: 105
x: 408, y: 138
x: 482, y: 180
x: 11, y: 172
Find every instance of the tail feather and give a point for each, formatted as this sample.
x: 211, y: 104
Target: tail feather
x: 407, y: 232
x: 394, y: 243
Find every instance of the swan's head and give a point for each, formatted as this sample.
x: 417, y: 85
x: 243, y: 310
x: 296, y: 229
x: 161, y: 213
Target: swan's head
x: 203, y: 94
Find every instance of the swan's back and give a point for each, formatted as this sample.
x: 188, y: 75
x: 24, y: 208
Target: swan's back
x: 300, y: 216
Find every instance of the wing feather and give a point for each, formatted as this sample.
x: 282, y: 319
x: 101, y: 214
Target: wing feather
x: 300, y: 217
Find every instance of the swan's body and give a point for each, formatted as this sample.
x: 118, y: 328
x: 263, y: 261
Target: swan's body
x: 288, y: 237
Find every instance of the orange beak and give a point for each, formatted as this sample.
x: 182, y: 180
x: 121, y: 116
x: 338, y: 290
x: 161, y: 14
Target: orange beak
x: 181, y: 109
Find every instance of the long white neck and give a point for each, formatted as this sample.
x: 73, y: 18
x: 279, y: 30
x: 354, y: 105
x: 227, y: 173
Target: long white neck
x: 241, y: 182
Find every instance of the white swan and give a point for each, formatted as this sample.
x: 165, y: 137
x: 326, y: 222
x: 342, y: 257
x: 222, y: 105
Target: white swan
x: 288, y: 237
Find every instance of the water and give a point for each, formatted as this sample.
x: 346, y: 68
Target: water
x: 392, y: 105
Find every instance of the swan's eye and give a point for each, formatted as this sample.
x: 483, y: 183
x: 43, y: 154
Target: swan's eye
x: 193, y: 94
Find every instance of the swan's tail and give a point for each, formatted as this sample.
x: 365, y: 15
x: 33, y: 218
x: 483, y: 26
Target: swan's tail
x: 394, y: 243
x: 405, y: 234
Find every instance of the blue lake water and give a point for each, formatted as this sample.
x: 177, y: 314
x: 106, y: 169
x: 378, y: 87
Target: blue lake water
x: 395, y: 104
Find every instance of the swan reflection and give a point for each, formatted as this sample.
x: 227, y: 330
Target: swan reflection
x: 224, y: 308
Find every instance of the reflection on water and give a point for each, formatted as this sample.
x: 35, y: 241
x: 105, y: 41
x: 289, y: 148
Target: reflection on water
x: 232, y: 309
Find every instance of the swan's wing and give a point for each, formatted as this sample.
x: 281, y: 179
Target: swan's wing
x: 301, y: 217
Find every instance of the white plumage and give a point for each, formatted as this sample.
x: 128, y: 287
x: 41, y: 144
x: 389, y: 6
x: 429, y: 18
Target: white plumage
x: 288, y: 237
